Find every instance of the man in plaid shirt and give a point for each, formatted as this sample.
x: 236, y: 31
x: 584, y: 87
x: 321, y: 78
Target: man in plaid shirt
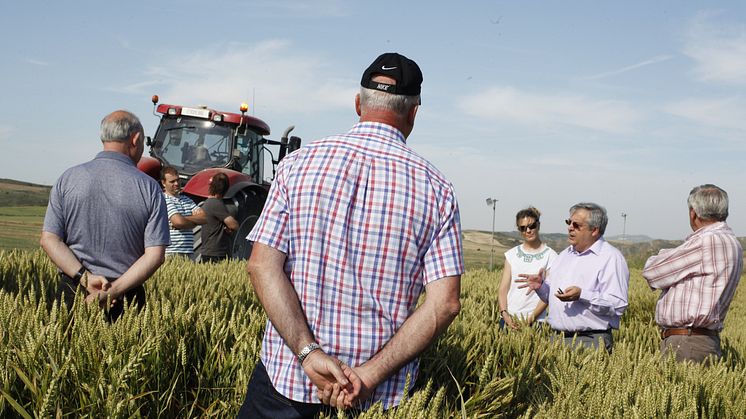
x: 355, y: 227
x: 698, y: 279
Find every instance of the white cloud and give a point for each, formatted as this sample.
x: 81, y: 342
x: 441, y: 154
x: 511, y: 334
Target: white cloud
x: 725, y: 113
x: 37, y: 62
x: 280, y: 77
x: 554, y: 183
x: 549, y: 111
x: 718, y: 49
x: 654, y: 60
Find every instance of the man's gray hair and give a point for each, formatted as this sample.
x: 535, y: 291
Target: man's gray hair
x: 597, y: 217
x: 119, y: 126
x: 709, y: 202
x: 375, y: 99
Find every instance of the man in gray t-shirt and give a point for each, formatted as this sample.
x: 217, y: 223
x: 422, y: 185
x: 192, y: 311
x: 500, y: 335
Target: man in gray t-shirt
x: 106, y: 227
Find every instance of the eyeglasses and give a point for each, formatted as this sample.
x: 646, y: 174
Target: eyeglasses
x: 532, y: 226
x: 575, y: 225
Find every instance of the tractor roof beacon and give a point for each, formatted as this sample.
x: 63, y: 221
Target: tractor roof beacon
x: 200, y: 142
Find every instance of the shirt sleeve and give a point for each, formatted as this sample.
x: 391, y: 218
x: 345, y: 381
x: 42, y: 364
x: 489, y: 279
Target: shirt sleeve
x: 271, y: 227
x: 54, y: 221
x: 671, y: 266
x: 444, y: 256
x: 157, y: 230
x: 543, y: 291
x: 609, y: 295
x: 190, y: 205
x: 171, y: 206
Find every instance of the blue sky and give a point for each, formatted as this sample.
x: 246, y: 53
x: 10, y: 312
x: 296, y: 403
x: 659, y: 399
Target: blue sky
x: 628, y: 104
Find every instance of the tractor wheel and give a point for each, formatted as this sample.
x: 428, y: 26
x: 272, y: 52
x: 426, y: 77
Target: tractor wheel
x: 248, y: 207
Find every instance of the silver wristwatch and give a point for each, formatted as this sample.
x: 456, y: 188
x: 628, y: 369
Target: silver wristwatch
x: 307, y: 350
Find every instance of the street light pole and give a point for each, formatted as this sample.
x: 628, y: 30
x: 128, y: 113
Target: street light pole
x: 492, y: 202
x: 624, y: 228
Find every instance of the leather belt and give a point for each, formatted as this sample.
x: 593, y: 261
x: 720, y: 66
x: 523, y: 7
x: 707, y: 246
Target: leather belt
x: 571, y: 334
x: 688, y: 331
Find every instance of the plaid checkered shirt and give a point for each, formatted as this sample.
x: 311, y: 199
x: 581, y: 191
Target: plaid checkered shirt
x: 698, y: 278
x: 365, y: 223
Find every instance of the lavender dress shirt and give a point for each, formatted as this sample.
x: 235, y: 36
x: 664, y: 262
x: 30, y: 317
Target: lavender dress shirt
x: 602, y: 274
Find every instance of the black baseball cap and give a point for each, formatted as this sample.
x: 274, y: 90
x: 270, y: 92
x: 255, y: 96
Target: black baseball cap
x: 400, y: 68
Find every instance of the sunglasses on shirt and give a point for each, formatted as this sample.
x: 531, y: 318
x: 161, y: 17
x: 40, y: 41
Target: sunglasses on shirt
x: 532, y: 226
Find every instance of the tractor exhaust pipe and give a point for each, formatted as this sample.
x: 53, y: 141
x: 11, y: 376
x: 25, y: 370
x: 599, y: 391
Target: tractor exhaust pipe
x: 284, y: 143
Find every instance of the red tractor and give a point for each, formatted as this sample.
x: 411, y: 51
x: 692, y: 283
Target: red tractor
x: 200, y: 142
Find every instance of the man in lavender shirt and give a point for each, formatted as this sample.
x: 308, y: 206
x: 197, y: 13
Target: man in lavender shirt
x: 586, y: 285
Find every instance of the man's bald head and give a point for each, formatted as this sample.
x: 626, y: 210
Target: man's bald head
x: 122, y: 132
x: 119, y: 126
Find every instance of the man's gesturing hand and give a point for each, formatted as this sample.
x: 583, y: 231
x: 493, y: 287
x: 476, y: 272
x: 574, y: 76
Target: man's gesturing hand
x: 337, y: 384
x: 570, y: 294
x: 532, y: 282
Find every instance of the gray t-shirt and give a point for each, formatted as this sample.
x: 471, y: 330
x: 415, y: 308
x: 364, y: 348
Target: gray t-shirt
x: 107, y: 212
x: 215, y: 241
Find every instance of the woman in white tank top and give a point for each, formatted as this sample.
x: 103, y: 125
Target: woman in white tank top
x: 526, y: 258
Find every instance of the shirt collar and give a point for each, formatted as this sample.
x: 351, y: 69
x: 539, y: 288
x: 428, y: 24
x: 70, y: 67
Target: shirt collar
x: 379, y: 129
x: 595, y: 247
x: 115, y: 156
x: 720, y: 225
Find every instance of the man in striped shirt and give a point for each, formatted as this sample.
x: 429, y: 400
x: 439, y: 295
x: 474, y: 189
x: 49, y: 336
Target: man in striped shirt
x: 355, y: 227
x: 183, y: 215
x: 698, y: 279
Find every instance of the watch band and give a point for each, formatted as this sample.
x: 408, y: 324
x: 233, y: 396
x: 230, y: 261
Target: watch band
x: 79, y: 274
x: 307, y: 350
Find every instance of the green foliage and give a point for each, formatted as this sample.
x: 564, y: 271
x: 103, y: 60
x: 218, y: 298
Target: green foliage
x: 192, y: 350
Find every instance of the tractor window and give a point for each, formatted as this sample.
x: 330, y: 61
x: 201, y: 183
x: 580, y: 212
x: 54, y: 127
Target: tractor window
x: 192, y: 144
x: 249, y: 149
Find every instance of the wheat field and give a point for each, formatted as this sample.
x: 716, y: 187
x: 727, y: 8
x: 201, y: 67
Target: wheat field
x: 191, y: 352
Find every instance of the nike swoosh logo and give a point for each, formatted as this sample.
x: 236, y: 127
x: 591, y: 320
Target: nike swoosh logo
x: 383, y: 67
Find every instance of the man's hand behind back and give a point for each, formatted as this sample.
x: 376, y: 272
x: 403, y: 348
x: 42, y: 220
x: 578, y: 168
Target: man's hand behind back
x: 98, y: 287
x: 337, y: 383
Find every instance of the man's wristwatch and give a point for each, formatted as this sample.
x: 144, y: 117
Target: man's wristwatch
x: 79, y: 275
x: 307, y: 350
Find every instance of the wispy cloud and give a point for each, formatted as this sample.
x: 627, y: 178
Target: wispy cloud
x: 550, y: 111
x: 282, y: 78
x: 724, y: 113
x: 654, y: 60
x: 37, y: 62
x: 718, y: 49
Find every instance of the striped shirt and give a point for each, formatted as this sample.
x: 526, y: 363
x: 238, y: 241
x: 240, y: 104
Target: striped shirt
x: 182, y: 241
x: 366, y: 223
x: 698, y: 278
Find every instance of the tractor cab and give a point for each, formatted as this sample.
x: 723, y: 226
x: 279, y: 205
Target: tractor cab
x: 195, y: 139
x: 199, y: 142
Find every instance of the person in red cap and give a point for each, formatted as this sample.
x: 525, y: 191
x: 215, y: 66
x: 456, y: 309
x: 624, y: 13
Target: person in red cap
x: 355, y: 228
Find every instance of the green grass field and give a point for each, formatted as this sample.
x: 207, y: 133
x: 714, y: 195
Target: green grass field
x: 20, y: 227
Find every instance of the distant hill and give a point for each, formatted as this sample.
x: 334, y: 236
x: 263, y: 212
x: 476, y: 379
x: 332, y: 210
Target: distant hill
x: 634, y: 238
x: 635, y: 251
x: 14, y: 193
